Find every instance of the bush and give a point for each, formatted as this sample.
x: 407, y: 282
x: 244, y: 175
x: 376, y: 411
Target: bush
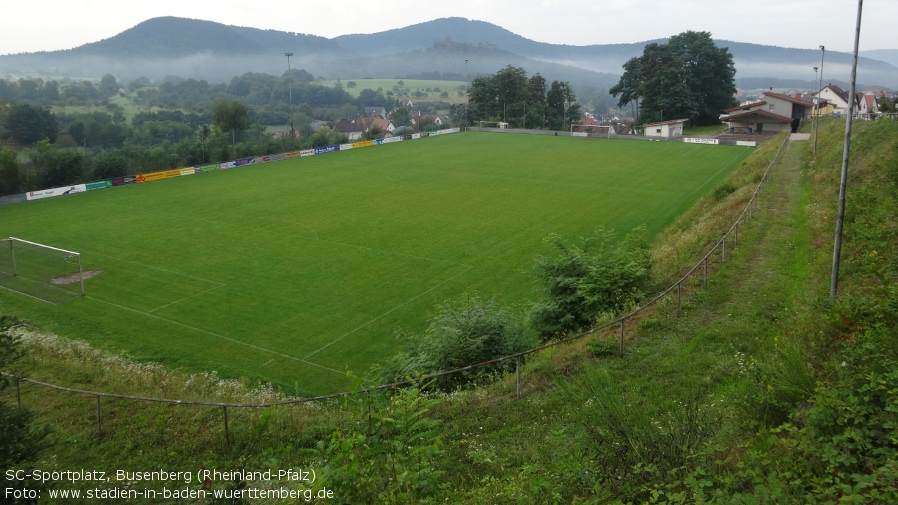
x: 583, y: 282
x: 20, y: 441
x: 471, y: 331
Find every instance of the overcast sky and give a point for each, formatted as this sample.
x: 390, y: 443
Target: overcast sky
x: 28, y: 26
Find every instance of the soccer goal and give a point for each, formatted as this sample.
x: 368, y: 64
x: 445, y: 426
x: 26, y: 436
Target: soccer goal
x: 48, y: 273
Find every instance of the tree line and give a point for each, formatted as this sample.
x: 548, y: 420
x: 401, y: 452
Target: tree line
x: 511, y: 97
x: 187, y: 122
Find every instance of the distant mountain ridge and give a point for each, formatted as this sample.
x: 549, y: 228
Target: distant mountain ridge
x: 216, y: 52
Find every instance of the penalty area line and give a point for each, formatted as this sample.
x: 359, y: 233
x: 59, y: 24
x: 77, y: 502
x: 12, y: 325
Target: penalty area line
x: 213, y: 334
x: 385, y: 314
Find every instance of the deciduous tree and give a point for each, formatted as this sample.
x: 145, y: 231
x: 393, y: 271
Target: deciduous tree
x: 232, y: 116
x: 687, y: 78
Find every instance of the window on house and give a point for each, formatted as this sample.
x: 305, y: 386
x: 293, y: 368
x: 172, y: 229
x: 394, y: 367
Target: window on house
x: 657, y: 130
x: 770, y: 107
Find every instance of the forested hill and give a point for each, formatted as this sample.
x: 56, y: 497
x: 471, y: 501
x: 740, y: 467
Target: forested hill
x: 213, y: 51
x: 167, y: 37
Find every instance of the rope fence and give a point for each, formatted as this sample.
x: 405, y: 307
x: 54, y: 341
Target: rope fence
x: 731, y: 237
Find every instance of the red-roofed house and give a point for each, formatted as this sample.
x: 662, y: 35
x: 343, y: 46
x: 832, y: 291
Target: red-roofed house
x: 866, y: 104
x: 355, y: 127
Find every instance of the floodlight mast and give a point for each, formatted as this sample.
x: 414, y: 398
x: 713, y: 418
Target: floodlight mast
x: 819, y: 92
x: 290, y: 90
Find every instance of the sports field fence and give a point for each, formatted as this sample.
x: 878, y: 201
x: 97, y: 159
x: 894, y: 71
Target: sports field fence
x: 697, y: 276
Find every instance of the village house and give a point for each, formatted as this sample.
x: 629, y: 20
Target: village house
x: 835, y: 97
x: 774, y: 112
x: 590, y: 125
x: 354, y: 128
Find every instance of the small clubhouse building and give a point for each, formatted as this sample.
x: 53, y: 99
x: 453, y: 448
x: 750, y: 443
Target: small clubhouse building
x: 665, y: 129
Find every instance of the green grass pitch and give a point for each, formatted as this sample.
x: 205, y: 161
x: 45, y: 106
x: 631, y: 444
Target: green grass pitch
x: 297, y: 271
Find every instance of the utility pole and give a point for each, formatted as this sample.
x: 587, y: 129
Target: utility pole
x: 837, y: 248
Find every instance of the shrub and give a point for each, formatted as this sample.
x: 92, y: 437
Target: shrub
x: 599, y: 276
x: 394, y: 457
x: 468, y: 332
x: 20, y: 441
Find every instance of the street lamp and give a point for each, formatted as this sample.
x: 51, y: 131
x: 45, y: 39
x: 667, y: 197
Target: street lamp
x: 819, y: 91
x: 290, y: 87
x: 816, y: 108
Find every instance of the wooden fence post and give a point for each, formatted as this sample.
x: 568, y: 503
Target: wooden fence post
x: 227, y: 429
x: 620, y: 346
x: 99, y: 418
x: 678, y: 299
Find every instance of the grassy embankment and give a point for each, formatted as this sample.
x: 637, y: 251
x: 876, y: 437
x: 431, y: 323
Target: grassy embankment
x: 762, y: 391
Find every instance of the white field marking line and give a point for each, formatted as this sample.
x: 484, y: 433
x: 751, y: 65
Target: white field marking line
x: 403, y: 304
x: 184, y: 299
x: 213, y: 334
x: 715, y: 174
x: 181, y: 274
x: 688, y: 151
x: 36, y: 297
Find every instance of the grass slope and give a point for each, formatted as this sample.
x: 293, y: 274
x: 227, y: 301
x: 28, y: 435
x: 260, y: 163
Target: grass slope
x: 297, y: 271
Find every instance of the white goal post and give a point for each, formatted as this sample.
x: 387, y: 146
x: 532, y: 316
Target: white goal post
x: 40, y: 271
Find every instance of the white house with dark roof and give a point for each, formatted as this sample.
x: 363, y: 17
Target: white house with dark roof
x: 835, y: 96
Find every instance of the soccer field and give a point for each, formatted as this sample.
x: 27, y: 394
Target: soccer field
x: 296, y: 271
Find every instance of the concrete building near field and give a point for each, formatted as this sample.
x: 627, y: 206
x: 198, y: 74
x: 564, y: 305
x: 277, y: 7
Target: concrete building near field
x: 665, y: 129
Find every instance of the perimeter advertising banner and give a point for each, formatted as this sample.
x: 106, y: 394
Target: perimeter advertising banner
x: 156, y: 176
x: 390, y: 140
x: 345, y: 147
x: 47, y: 193
x: 696, y: 140
x: 121, y: 181
x: 328, y: 149
x: 188, y: 171
x: 293, y: 154
x: 307, y: 152
x: 364, y: 143
x: 98, y: 185
x: 212, y: 167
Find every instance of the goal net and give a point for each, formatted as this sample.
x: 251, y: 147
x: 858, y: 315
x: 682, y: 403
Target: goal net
x: 40, y: 271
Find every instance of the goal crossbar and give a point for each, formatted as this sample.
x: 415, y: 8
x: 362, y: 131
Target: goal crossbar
x: 70, y: 254
x: 45, y: 246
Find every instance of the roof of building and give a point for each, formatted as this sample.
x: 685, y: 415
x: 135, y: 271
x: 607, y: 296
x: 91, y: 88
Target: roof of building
x: 781, y: 96
x: 763, y: 113
x: 841, y: 93
x: 746, y: 106
x: 669, y: 122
